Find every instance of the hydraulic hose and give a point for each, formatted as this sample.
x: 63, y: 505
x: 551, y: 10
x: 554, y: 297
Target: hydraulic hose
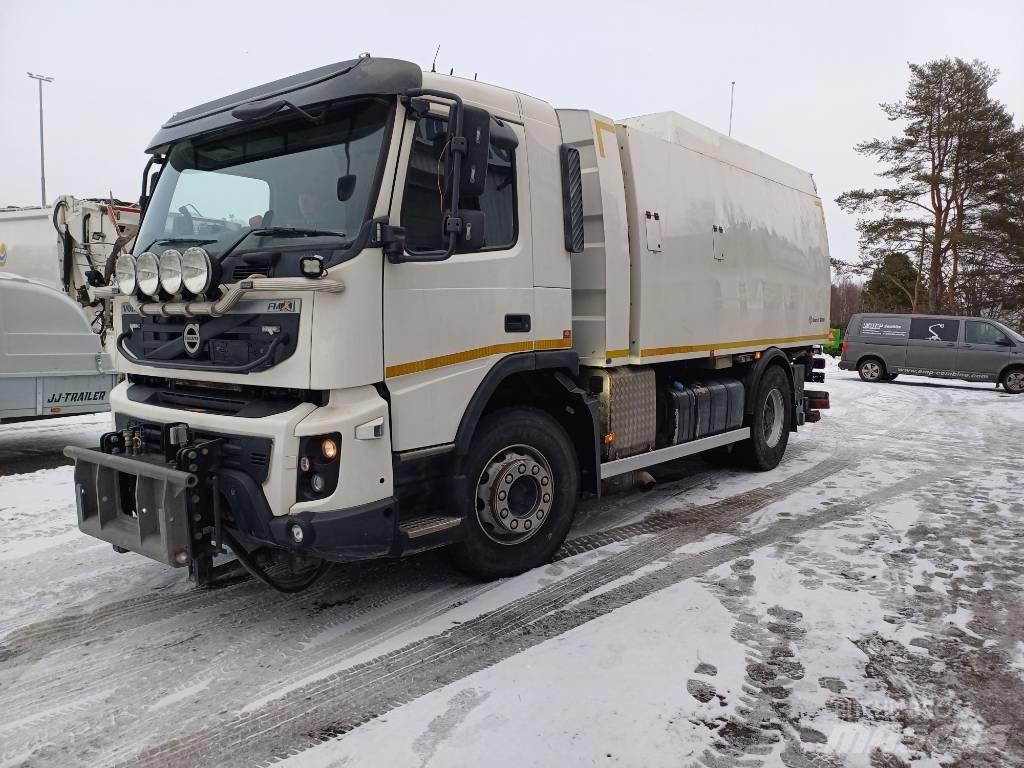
x: 258, y: 573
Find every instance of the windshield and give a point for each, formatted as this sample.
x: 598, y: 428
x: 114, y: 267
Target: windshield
x: 1016, y: 336
x: 290, y: 174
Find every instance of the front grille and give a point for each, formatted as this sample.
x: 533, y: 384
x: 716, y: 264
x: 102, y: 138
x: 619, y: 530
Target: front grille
x: 255, y: 336
x: 245, y: 271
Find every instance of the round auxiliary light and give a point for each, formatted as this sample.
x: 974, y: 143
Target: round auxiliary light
x: 196, y: 270
x: 317, y: 483
x: 329, y: 449
x: 170, y: 271
x: 147, y: 273
x: 124, y: 274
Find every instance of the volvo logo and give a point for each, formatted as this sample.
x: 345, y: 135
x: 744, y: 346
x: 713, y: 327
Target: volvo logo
x: 191, y: 339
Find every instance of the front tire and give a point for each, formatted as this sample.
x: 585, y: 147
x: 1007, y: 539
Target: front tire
x: 1013, y: 381
x: 872, y: 370
x: 770, y: 424
x: 523, y: 481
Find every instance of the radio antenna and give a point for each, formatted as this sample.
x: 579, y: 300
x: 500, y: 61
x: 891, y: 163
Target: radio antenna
x: 433, y: 64
x: 732, y: 94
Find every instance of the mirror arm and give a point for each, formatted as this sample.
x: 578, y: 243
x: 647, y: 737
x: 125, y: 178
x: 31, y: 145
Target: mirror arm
x: 459, y: 146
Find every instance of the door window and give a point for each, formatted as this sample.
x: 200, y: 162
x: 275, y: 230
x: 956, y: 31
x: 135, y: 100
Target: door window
x: 934, y: 329
x: 983, y: 333
x: 423, y: 204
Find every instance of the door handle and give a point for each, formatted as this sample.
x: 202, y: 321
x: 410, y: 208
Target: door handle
x: 966, y: 346
x: 950, y: 344
x: 517, y: 323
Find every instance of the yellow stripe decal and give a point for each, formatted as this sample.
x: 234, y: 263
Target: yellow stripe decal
x: 553, y: 344
x: 613, y: 354
x: 418, y: 366
x: 601, y: 125
x: 660, y: 351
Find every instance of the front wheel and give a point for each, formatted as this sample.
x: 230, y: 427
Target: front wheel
x: 770, y: 424
x: 1013, y: 381
x: 523, y: 480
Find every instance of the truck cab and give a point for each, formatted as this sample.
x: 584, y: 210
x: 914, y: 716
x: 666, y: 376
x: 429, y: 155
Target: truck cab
x: 349, y: 329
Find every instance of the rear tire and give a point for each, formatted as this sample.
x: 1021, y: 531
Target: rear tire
x: 872, y: 370
x: 1013, y: 381
x: 523, y: 481
x: 770, y: 424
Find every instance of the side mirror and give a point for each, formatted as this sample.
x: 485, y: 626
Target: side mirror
x: 470, y: 233
x: 346, y: 186
x: 1004, y: 342
x: 476, y: 128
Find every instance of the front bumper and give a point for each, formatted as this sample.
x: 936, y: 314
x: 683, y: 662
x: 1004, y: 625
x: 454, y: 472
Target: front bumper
x: 159, y: 527
x: 176, y: 516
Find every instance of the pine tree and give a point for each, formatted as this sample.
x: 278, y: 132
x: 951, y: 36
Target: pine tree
x: 947, y: 172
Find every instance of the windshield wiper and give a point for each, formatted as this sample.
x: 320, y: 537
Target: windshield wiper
x: 179, y: 241
x: 294, y: 232
x: 279, y: 232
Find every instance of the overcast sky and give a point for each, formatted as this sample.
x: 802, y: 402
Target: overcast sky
x: 809, y: 75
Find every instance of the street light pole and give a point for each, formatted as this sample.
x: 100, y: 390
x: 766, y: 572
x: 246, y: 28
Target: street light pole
x: 42, y: 153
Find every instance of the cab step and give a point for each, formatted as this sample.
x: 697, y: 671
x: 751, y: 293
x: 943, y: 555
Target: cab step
x: 425, y: 526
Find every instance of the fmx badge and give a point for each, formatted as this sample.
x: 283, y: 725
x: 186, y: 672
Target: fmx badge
x: 281, y: 306
x: 3, y: 255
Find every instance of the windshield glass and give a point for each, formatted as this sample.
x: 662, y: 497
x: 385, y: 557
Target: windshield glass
x: 290, y: 174
x: 1016, y: 336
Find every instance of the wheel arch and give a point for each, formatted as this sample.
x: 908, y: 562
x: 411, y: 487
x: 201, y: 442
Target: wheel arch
x: 543, y: 380
x: 772, y: 357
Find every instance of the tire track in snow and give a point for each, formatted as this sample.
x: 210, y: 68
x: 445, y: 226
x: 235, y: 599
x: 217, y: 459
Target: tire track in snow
x: 335, y: 704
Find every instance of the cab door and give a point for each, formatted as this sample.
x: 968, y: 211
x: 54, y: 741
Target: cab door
x: 447, y: 323
x: 984, y: 351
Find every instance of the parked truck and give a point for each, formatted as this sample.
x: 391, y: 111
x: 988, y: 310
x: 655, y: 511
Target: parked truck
x: 55, y: 340
x: 373, y: 311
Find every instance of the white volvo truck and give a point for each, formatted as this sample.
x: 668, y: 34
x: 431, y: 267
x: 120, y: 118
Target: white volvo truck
x: 373, y: 311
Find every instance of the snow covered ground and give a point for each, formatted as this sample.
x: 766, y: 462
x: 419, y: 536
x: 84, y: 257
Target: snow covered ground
x: 858, y: 606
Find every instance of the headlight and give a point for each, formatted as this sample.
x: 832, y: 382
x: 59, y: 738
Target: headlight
x: 196, y: 271
x: 170, y: 271
x: 124, y: 274
x: 147, y: 273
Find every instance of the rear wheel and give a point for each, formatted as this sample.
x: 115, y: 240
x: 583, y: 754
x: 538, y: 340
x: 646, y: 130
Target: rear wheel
x: 872, y: 370
x: 770, y: 424
x: 1013, y: 381
x: 523, y: 482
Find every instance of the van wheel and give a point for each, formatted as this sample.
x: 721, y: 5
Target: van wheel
x: 523, y: 480
x: 1013, y: 381
x: 769, y: 427
x: 872, y: 370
